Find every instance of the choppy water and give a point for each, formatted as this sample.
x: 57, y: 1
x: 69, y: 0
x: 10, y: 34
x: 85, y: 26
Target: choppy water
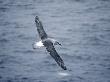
x: 82, y: 26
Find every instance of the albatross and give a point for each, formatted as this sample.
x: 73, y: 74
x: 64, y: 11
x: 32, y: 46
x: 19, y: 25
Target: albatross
x: 48, y: 43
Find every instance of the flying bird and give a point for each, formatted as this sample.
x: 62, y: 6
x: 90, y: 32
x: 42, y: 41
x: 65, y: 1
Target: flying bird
x: 48, y: 43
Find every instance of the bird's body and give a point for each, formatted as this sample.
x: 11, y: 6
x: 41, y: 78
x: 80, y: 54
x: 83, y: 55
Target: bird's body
x: 40, y: 44
x: 48, y: 43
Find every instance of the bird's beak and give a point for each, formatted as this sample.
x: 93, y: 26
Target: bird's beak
x: 59, y: 44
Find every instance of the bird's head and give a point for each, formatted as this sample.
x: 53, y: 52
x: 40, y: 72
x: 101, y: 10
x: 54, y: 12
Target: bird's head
x: 57, y: 43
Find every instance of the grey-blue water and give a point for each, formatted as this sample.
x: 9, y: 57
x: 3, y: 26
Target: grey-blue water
x: 81, y: 26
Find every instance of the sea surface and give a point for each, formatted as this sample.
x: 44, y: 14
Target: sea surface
x: 81, y: 26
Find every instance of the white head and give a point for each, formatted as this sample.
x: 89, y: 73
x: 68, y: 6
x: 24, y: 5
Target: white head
x: 55, y: 42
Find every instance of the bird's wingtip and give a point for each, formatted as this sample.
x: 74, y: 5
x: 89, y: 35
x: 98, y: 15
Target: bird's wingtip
x: 64, y: 67
x: 36, y: 18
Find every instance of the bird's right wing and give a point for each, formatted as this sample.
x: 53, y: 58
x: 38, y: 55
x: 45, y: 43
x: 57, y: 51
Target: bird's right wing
x: 40, y: 28
x: 50, y: 48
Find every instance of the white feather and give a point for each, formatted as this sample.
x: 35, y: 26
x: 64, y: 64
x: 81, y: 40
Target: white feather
x: 38, y: 44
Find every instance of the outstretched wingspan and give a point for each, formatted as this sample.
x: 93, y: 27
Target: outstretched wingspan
x: 50, y: 48
x: 48, y: 44
x: 40, y: 28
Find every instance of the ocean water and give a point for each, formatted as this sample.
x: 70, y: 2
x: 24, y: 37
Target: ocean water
x: 81, y: 26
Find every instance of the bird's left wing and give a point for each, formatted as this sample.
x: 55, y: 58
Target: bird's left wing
x: 50, y: 48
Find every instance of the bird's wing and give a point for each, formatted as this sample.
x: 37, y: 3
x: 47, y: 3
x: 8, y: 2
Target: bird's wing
x: 50, y: 48
x: 40, y: 28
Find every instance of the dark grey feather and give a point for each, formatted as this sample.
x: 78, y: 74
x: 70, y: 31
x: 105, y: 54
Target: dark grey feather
x: 40, y: 28
x: 50, y: 48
